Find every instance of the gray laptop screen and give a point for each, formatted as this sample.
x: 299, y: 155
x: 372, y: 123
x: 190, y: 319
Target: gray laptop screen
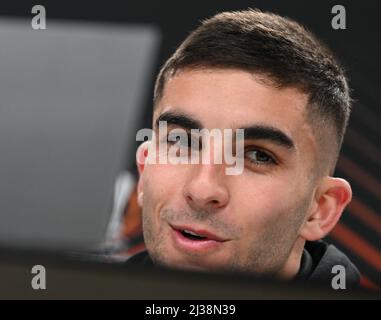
x: 70, y: 97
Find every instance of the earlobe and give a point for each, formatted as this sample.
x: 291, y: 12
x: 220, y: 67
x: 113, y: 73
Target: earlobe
x: 331, y: 198
x: 142, y: 156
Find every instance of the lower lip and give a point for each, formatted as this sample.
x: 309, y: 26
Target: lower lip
x: 187, y: 244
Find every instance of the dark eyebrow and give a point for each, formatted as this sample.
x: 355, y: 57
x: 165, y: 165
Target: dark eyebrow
x: 263, y: 132
x: 254, y: 132
x: 178, y: 119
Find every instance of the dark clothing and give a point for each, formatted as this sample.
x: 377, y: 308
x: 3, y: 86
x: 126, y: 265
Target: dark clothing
x: 141, y: 259
x: 319, y: 258
x: 316, y: 265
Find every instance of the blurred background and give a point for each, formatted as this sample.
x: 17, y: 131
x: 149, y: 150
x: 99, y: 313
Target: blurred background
x: 358, y: 47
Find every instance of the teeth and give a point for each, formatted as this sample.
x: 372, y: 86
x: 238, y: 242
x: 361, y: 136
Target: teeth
x: 192, y: 233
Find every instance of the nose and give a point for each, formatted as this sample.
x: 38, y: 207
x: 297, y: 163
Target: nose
x: 206, y: 189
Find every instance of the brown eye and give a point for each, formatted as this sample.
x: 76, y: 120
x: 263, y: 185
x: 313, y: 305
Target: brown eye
x: 259, y: 157
x: 181, y: 139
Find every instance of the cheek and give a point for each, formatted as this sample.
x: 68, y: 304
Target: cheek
x: 263, y: 201
x: 161, y: 183
x: 269, y: 213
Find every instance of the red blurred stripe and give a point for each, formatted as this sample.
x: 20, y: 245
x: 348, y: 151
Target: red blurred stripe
x: 367, y: 215
x: 368, y: 284
x: 364, y: 145
x: 357, y: 245
x: 359, y: 175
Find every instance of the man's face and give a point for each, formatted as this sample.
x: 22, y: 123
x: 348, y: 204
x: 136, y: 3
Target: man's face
x: 246, y: 222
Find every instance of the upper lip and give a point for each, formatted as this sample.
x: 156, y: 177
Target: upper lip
x: 199, y: 231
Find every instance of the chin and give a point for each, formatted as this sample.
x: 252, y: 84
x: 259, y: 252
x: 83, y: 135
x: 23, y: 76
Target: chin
x: 192, y: 264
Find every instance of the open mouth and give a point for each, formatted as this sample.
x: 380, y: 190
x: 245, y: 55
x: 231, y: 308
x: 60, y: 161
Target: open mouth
x: 188, y: 239
x: 192, y: 235
x: 196, y: 234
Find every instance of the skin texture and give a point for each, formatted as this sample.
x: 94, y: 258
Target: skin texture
x: 264, y: 215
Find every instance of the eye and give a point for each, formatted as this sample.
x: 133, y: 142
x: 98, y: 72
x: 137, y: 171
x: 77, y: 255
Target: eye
x: 180, y: 138
x: 259, y: 157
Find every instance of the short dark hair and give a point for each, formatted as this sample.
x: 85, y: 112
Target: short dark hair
x: 278, y: 48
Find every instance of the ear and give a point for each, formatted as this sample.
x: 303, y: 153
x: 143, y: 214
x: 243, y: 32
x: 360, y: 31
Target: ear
x: 141, y: 162
x: 331, y: 198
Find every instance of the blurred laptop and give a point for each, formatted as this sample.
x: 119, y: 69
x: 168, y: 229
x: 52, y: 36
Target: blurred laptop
x: 71, y: 97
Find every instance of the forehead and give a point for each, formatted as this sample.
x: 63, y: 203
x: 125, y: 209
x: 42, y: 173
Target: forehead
x: 230, y: 98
